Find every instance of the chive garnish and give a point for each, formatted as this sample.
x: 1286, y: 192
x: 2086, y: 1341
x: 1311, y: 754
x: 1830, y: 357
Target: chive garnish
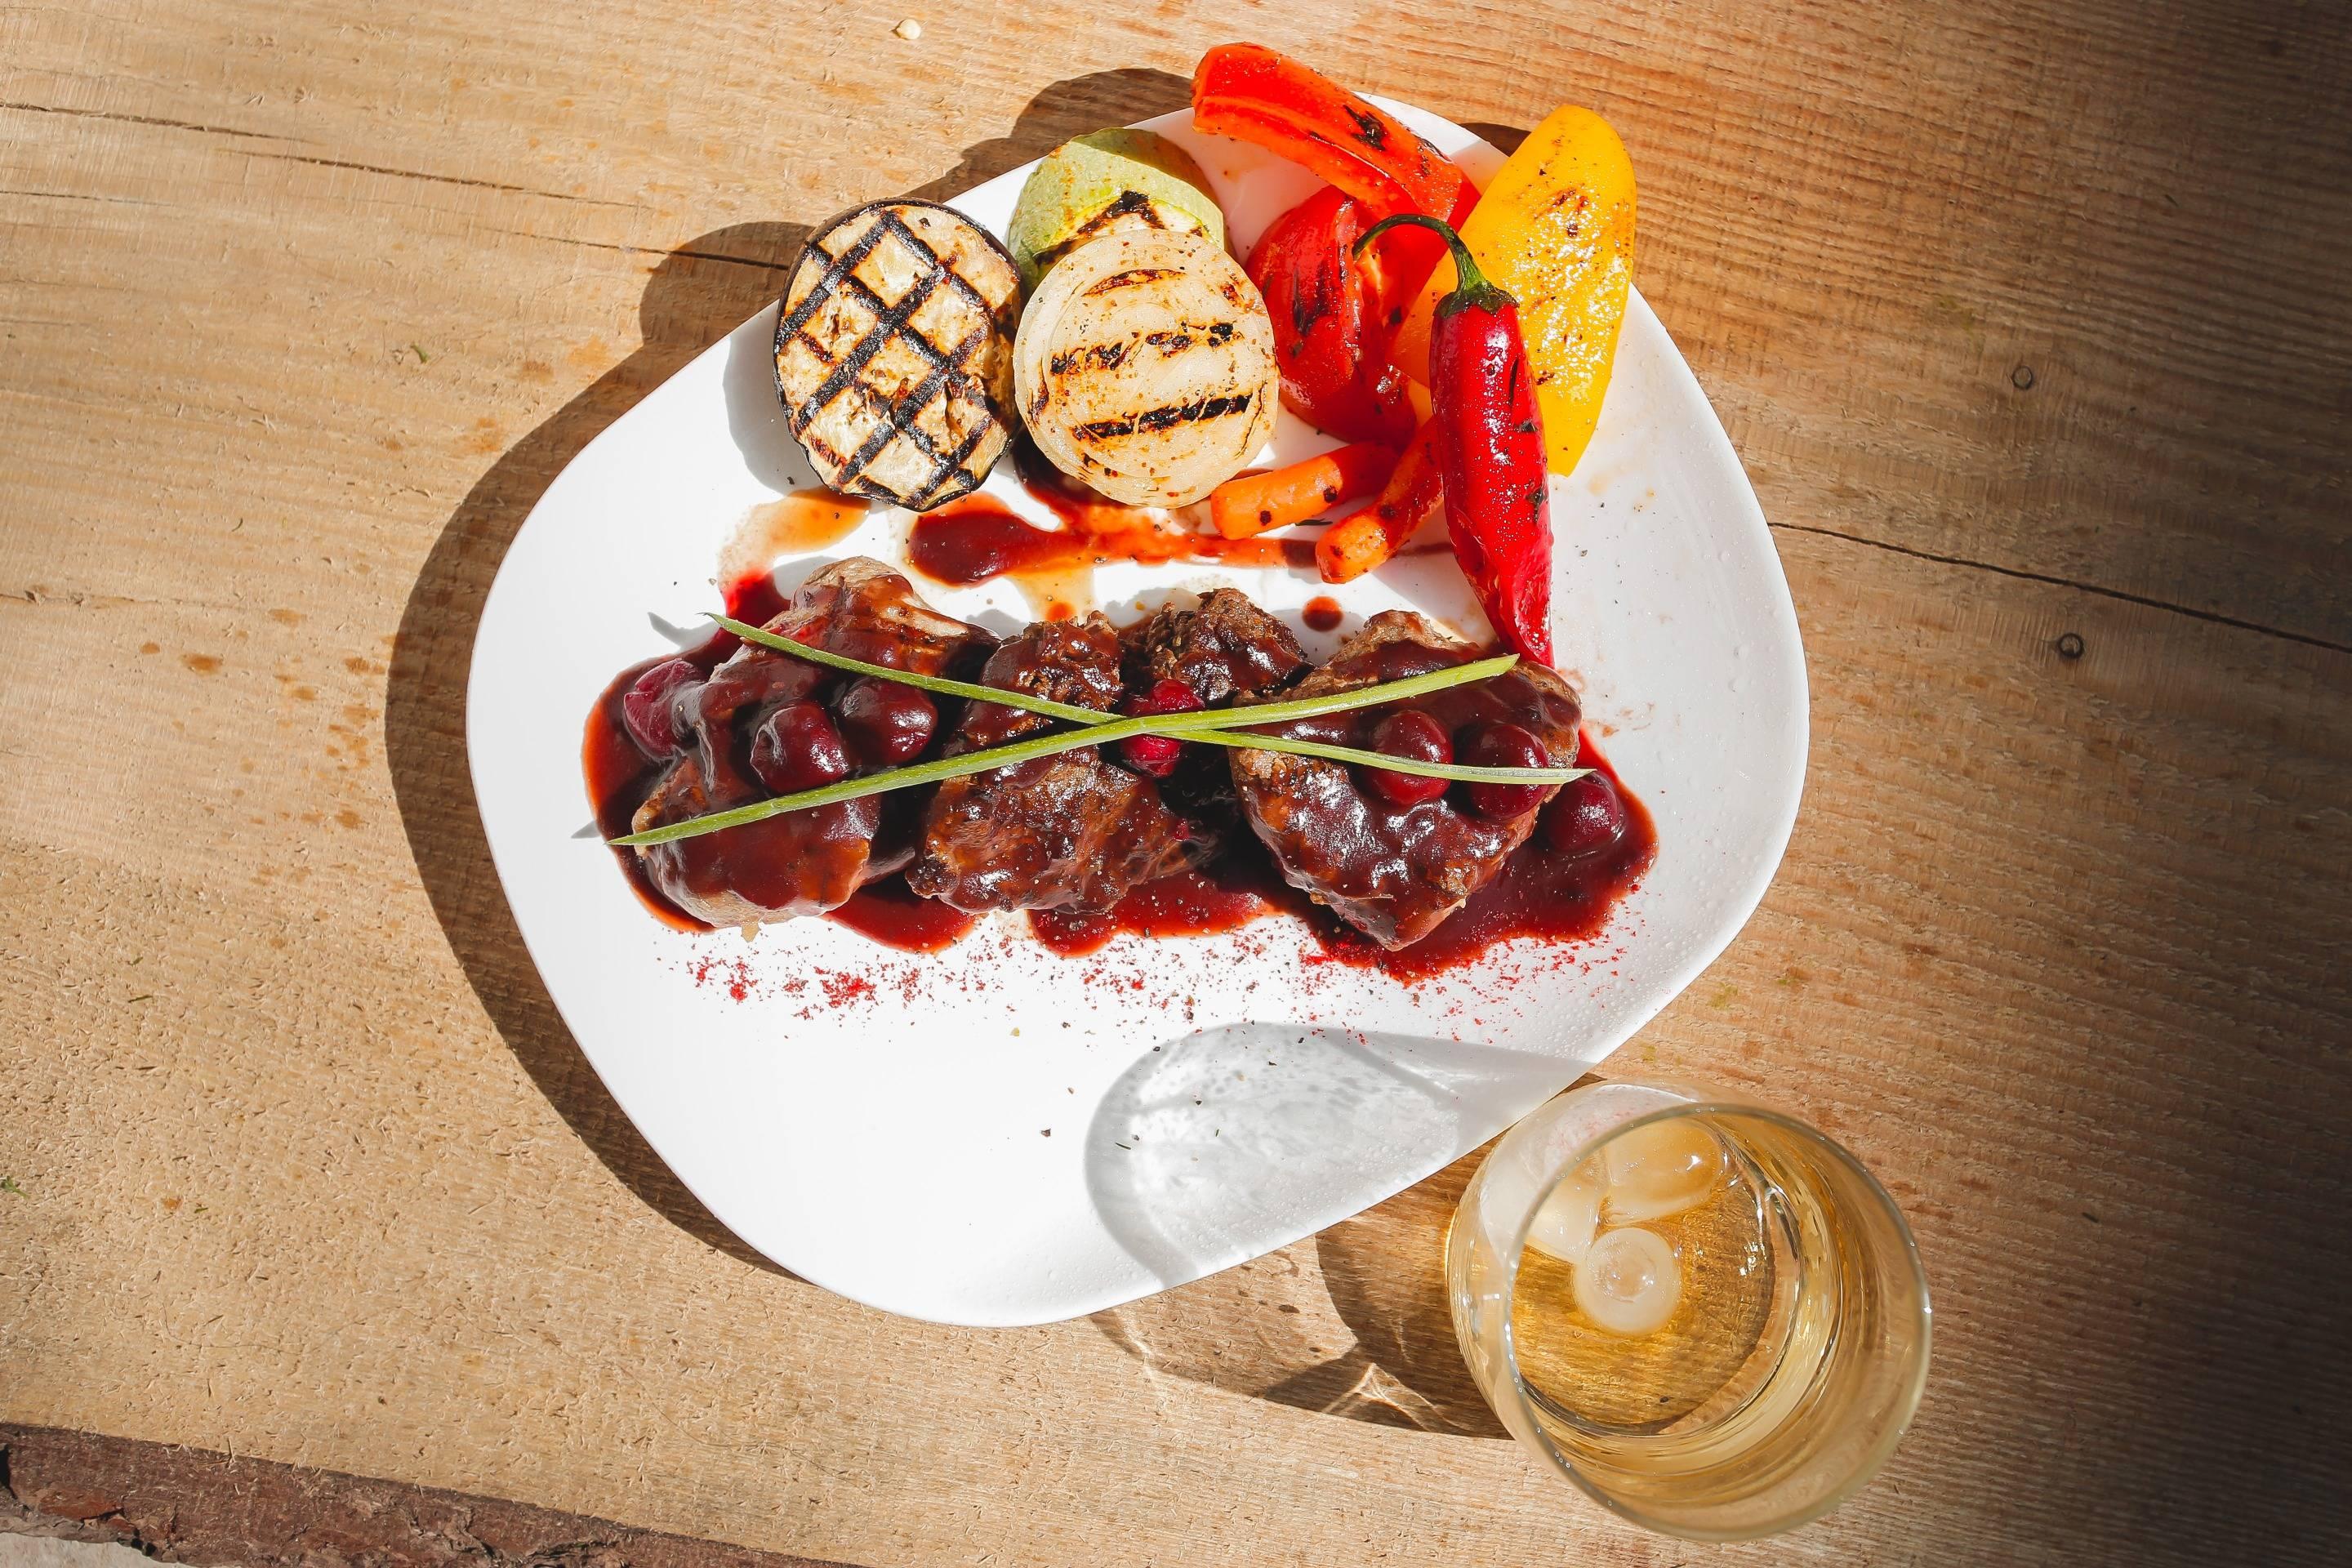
x: 1462, y: 773
x: 1165, y: 724
x: 906, y: 777
x: 938, y: 684
x: 1216, y: 726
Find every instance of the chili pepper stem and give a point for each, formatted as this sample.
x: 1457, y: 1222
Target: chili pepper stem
x: 1470, y: 285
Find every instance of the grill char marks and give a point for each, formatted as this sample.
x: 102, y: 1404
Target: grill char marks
x: 893, y: 353
x: 1132, y: 279
x: 1099, y: 356
x: 1146, y: 366
x: 1152, y: 419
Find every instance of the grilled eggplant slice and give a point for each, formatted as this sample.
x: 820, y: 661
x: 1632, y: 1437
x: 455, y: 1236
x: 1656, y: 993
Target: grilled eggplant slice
x: 1145, y: 367
x: 894, y: 353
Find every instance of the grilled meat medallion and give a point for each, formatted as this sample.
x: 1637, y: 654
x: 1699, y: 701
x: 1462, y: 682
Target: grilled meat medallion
x: 894, y: 353
x: 1396, y: 871
x: 1145, y: 367
x: 1078, y: 830
x: 1073, y: 831
x: 803, y: 862
x: 1224, y: 647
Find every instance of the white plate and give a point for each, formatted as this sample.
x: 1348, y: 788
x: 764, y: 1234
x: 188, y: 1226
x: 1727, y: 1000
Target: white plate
x: 995, y: 1136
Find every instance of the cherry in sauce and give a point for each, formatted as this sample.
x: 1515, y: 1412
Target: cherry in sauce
x: 1587, y: 816
x: 889, y: 724
x: 798, y: 747
x: 1503, y: 746
x: 1155, y: 756
x: 1413, y: 735
x: 1559, y: 887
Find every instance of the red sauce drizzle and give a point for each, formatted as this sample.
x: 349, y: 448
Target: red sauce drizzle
x: 1321, y: 614
x: 895, y: 916
x: 1539, y: 893
x: 1240, y: 887
x: 979, y: 538
x: 752, y: 598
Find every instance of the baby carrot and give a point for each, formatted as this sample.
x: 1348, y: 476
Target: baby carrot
x: 1354, y: 546
x: 1253, y: 503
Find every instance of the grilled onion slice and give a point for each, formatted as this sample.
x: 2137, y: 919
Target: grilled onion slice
x: 1145, y: 367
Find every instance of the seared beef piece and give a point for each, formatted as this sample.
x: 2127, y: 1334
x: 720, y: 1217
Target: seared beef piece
x: 1224, y: 648
x: 1395, y: 872
x: 1072, y: 831
x: 803, y: 862
x: 1074, y: 662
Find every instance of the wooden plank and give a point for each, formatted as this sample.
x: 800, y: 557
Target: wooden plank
x: 297, y: 315
x: 186, y: 1506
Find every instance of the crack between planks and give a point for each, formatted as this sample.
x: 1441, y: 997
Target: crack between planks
x: 78, y: 197
x: 148, y: 119
x: 650, y: 250
x: 295, y: 157
x: 2215, y: 617
x: 439, y: 179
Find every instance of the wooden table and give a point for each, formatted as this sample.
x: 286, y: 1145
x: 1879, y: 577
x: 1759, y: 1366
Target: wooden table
x: 2034, y: 323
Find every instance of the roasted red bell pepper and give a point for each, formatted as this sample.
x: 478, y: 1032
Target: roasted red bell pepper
x: 1490, y: 449
x: 1397, y: 268
x: 1250, y: 92
x: 1336, y: 312
x: 1328, y: 340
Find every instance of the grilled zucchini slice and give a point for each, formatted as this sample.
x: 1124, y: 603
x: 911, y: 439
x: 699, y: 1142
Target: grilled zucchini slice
x: 1104, y: 182
x: 1145, y: 367
x: 894, y: 352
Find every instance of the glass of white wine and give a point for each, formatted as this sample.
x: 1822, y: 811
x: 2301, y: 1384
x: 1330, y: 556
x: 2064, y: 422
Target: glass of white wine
x: 1705, y: 1313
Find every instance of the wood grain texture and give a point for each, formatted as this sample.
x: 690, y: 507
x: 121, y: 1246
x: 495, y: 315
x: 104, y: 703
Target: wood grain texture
x: 211, y: 1511
x: 2029, y: 320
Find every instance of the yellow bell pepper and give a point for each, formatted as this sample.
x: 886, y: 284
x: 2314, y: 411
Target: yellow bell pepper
x: 1556, y: 229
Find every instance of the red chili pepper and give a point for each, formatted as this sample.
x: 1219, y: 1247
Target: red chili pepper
x: 1490, y: 449
x: 1250, y: 92
x: 1332, y: 352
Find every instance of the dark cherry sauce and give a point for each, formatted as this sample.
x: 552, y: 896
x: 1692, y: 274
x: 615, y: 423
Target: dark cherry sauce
x: 753, y: 599
x: 1241, y: 886
x: 979, y: 538
x: 891, y: 913
x: 620, y: 776
x: 1321, y: 614
x: 1539, y: 893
